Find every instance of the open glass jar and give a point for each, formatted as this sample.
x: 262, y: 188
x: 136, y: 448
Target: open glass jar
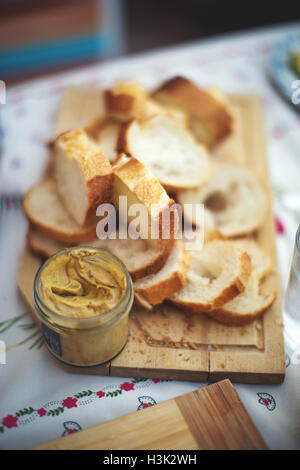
x: 96, y: 329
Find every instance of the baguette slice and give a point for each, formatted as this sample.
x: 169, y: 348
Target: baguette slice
x: 105, y: 133
x: 168, y: 150
x: 83, y: 175
x: 153, y: 289
x: 140, y: 258
x: 250, y: 304
x: 233, y: 197
x: 134, y: 181
x: 124, y: 105
x: 217, y: 274
x: 46, y: 212
x: 209, y: 118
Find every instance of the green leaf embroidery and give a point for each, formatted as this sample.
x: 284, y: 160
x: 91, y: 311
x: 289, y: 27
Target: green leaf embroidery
x: 115, y: 393
x: 25, y: 411
x: 56, y: 411
x: 85, y: 393
x: 137, y: 380
x: 6, y: 324
x: 1, y: 429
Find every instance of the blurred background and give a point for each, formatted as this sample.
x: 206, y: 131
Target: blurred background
x: 42, y: 36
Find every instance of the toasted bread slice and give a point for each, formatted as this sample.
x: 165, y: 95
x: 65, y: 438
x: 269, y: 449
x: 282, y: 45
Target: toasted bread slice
x: 83, y: 175
x: 153, y: 289
x: 168, y: 150
x: 217, y: 274
x: 140, y: 257
x: 233, y: 197
x: 159, y: 220
x: 46, y: 212
x: 105, y: 132
x: 209, y: 118
x: 252, y: 303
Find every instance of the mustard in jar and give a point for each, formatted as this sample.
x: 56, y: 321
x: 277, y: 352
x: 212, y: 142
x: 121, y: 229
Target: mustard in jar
x: 83, y: 297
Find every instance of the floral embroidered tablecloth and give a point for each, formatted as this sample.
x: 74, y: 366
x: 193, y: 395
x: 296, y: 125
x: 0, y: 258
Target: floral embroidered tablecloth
x: 38, y: 401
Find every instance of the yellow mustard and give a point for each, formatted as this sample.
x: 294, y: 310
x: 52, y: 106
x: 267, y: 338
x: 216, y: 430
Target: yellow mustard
x: 83, y: 297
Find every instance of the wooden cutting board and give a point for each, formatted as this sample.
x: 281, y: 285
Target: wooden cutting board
x: 212, y: 417
x: 167, y: 343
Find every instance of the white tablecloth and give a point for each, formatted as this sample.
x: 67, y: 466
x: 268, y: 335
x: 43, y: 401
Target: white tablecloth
x: 38, y: 401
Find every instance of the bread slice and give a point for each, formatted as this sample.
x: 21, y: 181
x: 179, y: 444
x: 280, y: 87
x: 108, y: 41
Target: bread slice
x: 134, y: 181
x: 217, y: 274
x: 46, y: 212
x: 140, y: 257
x: 233, y: 197
x: 105, y: 132
x: 209, y: 118
x: 153, y: 289
x: 83, y: 175
x: 252, y: 303
x: 124, y: 106
x: 168, y: 150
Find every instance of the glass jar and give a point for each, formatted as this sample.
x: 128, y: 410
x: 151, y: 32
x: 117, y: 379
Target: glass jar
x: 85, y: 341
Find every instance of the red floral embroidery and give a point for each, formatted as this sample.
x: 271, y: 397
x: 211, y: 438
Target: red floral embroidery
x: 155, y: 381
x: 145, y: 405
x: 127, y: 386
x: 70, y: 431
x: 42, y: 412
x: 100, y: 394
x: 279, y: 226
x: 10, y: 421
x: 70, y: 402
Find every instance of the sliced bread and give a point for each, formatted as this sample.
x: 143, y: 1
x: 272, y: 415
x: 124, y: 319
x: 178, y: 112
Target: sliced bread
x: 154, y: 289
x: 140, y: 257
x: 209, y: 118
x: 159, y: 220
x: 123, y: 105
x: 83, y: 175
x: 105, y: 133
x: 233, y: 197
x: 217, y: 274
x: 168, y: 150
x: 45, y: 211
x: 251, y: 303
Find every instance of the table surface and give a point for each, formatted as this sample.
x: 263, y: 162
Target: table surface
x: 39, y: 401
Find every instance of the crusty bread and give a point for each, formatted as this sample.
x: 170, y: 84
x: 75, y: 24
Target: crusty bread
x: 209, y: 118
x: 105, y: 132
x: 217, y: 274
x: 252, y: 303
x: 83, y: 175
x: 140, y: 257
x: 168, y: 150
x: 46, y: 212
x: 124, y: 106
x: 153, y: 289
x: 133, y: 180
x: 233, y: 197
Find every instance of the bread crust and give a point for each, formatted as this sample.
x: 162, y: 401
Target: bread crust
x: 96, y: 171
x: 198, y: 103
x: 240, y: 319
x: 236, y: 287
x: 162, y: 289
x: 82, y: 235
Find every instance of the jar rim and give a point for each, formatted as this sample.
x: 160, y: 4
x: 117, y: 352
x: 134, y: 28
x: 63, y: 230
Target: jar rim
x: 110, y: 314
